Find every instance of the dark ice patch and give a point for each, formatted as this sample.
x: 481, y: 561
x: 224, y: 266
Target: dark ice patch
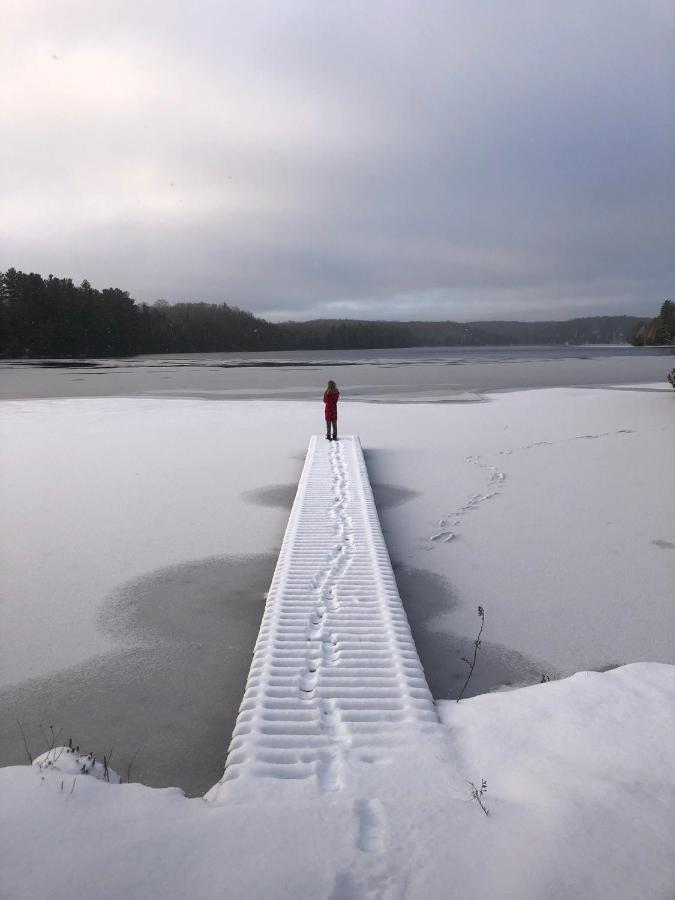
x: 388, y: 495
x: 172, y: 693
x: 426, y: 596
x: 280, y: 496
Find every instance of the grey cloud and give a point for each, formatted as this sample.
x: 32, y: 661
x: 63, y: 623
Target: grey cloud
x: 377, y: 160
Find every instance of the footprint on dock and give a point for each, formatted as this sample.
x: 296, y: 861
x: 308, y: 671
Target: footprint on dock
x: 335, y: 681
x: 329, y: 651
x: 329, y: 717
x: 331, y: 601
x: 329, y: 772
x: 308, y: 680
x: 331, y: 723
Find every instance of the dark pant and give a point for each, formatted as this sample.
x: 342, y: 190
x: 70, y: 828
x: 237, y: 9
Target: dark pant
x: 332, y: 424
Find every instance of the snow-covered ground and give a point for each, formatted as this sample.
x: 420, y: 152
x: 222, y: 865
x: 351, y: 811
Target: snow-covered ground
x: 551, y: 509
x: 580, y: 793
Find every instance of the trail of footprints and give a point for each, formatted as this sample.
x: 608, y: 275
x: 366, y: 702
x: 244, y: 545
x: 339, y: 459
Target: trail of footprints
x: 575, y: 437
x: 447, y: 524
x: 335, y: 680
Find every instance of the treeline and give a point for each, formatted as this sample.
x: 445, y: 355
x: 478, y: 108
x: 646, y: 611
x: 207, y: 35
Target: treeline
x: 53, y: 317
x: 326, y: 334
x: 658, y: 331
x: 344, y: 334
x: 43, y: 317
x: 591, y: 330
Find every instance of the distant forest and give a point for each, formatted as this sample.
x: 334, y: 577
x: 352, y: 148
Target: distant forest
x: 658, y: 331
x: 53, y: 317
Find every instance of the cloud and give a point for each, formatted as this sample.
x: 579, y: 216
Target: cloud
x: 390, y: 159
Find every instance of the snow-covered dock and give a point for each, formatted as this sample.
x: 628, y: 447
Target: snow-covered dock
x: 335, y: 669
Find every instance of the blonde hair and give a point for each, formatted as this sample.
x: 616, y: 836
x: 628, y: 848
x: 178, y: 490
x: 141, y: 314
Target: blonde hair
x: 331, y: 387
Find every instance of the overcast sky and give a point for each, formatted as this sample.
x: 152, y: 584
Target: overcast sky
x: 464, y: 160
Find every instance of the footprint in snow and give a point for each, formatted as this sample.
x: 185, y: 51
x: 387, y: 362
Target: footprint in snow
x: 443, y: 536
x: 372, y: 826
x: 308, y: 680
x: 328, y: 772
x: 496, y: 477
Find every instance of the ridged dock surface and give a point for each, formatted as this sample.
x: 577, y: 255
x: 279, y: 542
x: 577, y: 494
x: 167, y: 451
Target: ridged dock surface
x: 335, y: 670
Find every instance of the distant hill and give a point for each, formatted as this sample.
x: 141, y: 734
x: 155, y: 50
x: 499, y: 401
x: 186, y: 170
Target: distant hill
x: 340, y: 333
x: 53, y: 317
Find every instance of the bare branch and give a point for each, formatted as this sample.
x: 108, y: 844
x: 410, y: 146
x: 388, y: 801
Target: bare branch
x: 25, y: 743
x: 478, y: 794
x: 476, y: 645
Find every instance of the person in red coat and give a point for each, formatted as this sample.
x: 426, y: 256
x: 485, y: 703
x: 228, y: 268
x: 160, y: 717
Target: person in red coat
x: 330, y: 398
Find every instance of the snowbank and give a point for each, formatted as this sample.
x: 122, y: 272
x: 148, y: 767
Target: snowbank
x: 69, y: 761
x: 580, y: 793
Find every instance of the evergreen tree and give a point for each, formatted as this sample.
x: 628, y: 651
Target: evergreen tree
x: 666, y: 325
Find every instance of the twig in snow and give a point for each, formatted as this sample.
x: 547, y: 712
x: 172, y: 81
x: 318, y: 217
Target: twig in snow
x: 476, y: 645
x: 55, y: 738
x: 478, y: 794
x: 131, y: 764
x: 51, y: 744
x: 45, y: 738
x: 25, y: 743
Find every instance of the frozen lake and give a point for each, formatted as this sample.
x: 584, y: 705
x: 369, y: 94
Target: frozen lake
x: 386, y: 376
x: 141, y: 526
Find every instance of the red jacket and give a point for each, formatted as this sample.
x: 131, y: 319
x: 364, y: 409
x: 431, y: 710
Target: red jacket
x: 331, y: 405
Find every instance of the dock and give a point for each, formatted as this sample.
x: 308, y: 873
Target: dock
x: 335, y: 673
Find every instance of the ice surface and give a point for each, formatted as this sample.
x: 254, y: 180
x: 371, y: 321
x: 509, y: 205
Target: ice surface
x: 554, y: 511
x: 433, y: 373
x: 96, y: 493
x: 561, y: 520
x: 547, y: 495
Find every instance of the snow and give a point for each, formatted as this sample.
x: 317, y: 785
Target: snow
x: 561, y: 525
x: 70, y: 761
x: 98, y: 492
x: 556, y: 501
x: 580, y: 792
x: 549, y: 508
